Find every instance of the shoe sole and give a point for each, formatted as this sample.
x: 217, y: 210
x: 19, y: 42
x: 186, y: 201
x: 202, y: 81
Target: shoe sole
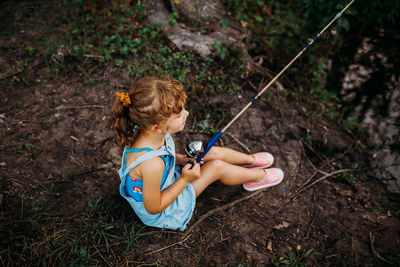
x: 262, y: 187
x: 262, y: 167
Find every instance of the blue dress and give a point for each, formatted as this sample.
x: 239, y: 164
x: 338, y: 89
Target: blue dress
x: 180, y: 211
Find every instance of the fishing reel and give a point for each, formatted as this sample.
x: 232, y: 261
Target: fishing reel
x: 198, y: 150
x: 194, y: 149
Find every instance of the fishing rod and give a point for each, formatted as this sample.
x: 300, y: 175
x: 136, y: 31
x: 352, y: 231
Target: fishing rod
x: 196, y: 149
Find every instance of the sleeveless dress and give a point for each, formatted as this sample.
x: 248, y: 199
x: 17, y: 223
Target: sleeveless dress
x: 180, y: 211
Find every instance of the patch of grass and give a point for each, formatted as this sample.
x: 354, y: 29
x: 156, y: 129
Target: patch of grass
x: 221, y: 50
x: 292, y: 259
x: 97, y: 231
x: 132, y: 235
x: 348, y: 176
x: 206, y: 126
x: 30, y: 50
x: 77, y: 241
x: 172, y: 20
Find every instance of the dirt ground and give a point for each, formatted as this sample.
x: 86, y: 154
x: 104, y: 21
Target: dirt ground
x: 57, y: 154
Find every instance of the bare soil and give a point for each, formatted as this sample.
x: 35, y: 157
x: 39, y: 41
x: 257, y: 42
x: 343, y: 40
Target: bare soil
x: 57, y: 154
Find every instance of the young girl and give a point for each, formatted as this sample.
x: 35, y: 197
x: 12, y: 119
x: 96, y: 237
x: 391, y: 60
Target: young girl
x: 159, y: 193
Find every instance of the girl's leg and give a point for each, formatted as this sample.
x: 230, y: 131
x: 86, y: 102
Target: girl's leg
x: 228, y: 174
x: 228, y: 155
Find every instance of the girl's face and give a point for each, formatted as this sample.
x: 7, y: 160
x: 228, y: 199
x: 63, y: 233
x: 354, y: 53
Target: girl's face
x: 177, y: 122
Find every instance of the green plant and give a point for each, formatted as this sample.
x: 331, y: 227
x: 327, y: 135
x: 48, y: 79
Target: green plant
x: 348, y: 176
x: 292, y: 259
x: 96, y: 227
x: 224, y: 23
x: 119, y: 63
x: 221, y: 50
x: 82, y: 256
x: 30, y: 50
x: 206, y: 127
x: 172, y: 19
x: 132, y: 235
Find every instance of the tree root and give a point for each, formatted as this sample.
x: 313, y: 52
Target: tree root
x: 372, y: 239
x: 224, y: 207
x: 171, y: 245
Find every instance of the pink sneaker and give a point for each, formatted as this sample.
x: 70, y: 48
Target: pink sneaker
x: 262, y: 160
x: 273, y: 176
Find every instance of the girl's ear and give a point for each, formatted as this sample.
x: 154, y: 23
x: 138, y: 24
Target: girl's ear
x: 155, y: 128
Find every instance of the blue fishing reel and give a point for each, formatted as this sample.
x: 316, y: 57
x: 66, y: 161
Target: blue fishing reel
x: 197, y: 150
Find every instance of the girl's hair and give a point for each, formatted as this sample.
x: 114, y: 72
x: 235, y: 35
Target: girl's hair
x: 153, y: 101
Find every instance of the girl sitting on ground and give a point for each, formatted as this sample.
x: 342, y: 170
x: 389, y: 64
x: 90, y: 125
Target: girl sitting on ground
x: 151, y: 181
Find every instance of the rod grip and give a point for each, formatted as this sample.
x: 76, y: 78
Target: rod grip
x: 210, y: 144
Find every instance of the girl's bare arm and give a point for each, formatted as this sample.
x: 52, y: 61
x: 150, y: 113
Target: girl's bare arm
x: 154, y: 200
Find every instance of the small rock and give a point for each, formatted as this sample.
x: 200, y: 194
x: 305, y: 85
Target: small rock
x: 269, y: 246
x: 282, y: 225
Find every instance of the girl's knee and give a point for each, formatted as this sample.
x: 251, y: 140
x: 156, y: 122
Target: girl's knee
x: 211, y: 170
x: 215, y: 164
x: 213, y: 154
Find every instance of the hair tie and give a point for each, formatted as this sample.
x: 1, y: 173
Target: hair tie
x: 124, y: 98
x: 134, y: 129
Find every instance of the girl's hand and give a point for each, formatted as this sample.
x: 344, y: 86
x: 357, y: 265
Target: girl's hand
x: 191, y: 171
x: 182, y: 160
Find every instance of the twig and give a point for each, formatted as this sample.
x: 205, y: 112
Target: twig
x: 312, y: 149
x: 163, y: 248
x: 322, y: 165
x: 253, y: 86
x: 240, y: 143
x: 94, y: 56
x: 266, y: 72
x: 118, y: 85
x: 26, y: 121
x: 173, y: 7
x: 313, y: 218
x: 307, y: 158
x: 371, y: 239
x: 108, y: 245
x: 259, y: 221
x: 108, y: 263
x: 12, y: 144
x: 303, y: 188
x: 6, y: 75
x: 354, y: 249
x: 323, y: 178
x: 82, y: 107
x: 226, y: 206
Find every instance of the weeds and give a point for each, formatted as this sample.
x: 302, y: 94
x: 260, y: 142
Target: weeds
x: 348, y: 177
x: 292, y: 259
x: 221, y: 50
x: 132, y: 235
x: 78, y: 241
x: 206, y: 126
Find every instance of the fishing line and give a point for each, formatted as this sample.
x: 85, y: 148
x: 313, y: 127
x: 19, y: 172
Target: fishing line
x: 196, y: 149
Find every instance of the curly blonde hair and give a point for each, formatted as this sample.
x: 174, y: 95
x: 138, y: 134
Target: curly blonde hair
x: 153, y: 101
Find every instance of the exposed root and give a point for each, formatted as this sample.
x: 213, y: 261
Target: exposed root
x: 372, y: 239
x: 224, y: 207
